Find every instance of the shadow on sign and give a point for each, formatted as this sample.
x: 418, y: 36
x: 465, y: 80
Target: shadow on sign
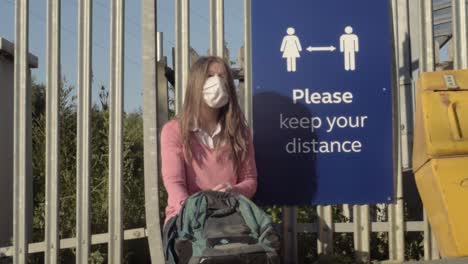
x: 284, y: 178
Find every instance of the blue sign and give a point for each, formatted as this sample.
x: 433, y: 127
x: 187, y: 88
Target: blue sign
x: 322, y: 101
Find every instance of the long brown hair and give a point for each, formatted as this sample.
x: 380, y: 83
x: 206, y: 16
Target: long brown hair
x: 234, y: 126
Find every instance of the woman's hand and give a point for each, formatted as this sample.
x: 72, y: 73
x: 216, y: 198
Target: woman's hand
x: 223, y: 187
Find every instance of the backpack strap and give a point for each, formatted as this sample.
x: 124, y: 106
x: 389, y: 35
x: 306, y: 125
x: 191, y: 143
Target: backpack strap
x: 169, y: 237
x: 192, y: 215
x: 260, y: 223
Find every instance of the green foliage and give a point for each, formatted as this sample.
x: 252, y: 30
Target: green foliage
x: 414, y: 246
x: 38, y: 146
x: 134, y: 214
x: 274, y: 212
x: 97, y: 257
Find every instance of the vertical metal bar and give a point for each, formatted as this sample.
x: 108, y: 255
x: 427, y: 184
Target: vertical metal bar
x: 403, y: 63
x: 414, y: 21
x: 248, y: 61
x: 21, y: 160
x: 402, y: 70
x: 159, y: 46
x: 178, y: 56
x: 150, y: 129
x: 460, y: 33
x: 185, y: 51
x: 430, y: 245
x: 220, y: 28
x: 426, y: 59
x: 182, y: 57
x: 426, y: 36
x: 435, y: 249
x: 325, y: 229
x: 83, y: 223
x: 347, y: 212
x: 163, y: 104
x: 427, y: 238
x: 116, y: 92
x: 52, y: 242
x: 361, y: 233
x: 396, y: 222
x: 213, y: 27
x: 357, y: 230
x: 217, y: 28
x: 365, y: 236
x: 289, y: 234
x: 392, y: 227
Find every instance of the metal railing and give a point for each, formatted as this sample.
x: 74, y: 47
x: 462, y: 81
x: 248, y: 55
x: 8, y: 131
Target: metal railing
x: 155, y: 109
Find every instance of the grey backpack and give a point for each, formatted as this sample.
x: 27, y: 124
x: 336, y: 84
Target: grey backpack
x: 218, y: 227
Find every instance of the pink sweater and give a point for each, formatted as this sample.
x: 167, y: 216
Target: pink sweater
x: 207, y: 169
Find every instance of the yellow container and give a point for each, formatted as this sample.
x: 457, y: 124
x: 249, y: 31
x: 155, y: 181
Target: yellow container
x: 440, y: 157
x: 441, y: 125
x: 443, y: 187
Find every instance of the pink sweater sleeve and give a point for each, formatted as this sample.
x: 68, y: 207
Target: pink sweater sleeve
x: 247, y: 181
x: 173, y: 168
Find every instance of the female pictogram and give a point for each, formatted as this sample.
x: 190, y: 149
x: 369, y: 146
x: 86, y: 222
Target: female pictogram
x: 291, y: 47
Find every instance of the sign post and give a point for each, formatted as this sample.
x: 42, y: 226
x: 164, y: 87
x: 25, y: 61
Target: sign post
x: 322, y: 101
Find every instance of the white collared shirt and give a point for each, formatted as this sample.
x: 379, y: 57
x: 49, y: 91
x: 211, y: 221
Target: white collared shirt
x: 205, y: 138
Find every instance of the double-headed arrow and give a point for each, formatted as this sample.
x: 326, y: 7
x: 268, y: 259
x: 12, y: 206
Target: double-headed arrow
x: 330, y: 48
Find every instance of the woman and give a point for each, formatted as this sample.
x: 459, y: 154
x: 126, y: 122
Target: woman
x: 208, y: 145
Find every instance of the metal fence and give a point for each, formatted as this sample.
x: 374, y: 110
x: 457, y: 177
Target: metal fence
x: 410, y: 35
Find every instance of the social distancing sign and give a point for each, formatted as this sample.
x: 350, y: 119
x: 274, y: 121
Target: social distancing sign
x: 323, y: 119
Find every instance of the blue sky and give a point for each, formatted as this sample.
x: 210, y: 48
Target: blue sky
x: 199, y: 38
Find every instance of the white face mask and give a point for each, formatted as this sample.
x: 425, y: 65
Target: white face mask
x: 214, y: 92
